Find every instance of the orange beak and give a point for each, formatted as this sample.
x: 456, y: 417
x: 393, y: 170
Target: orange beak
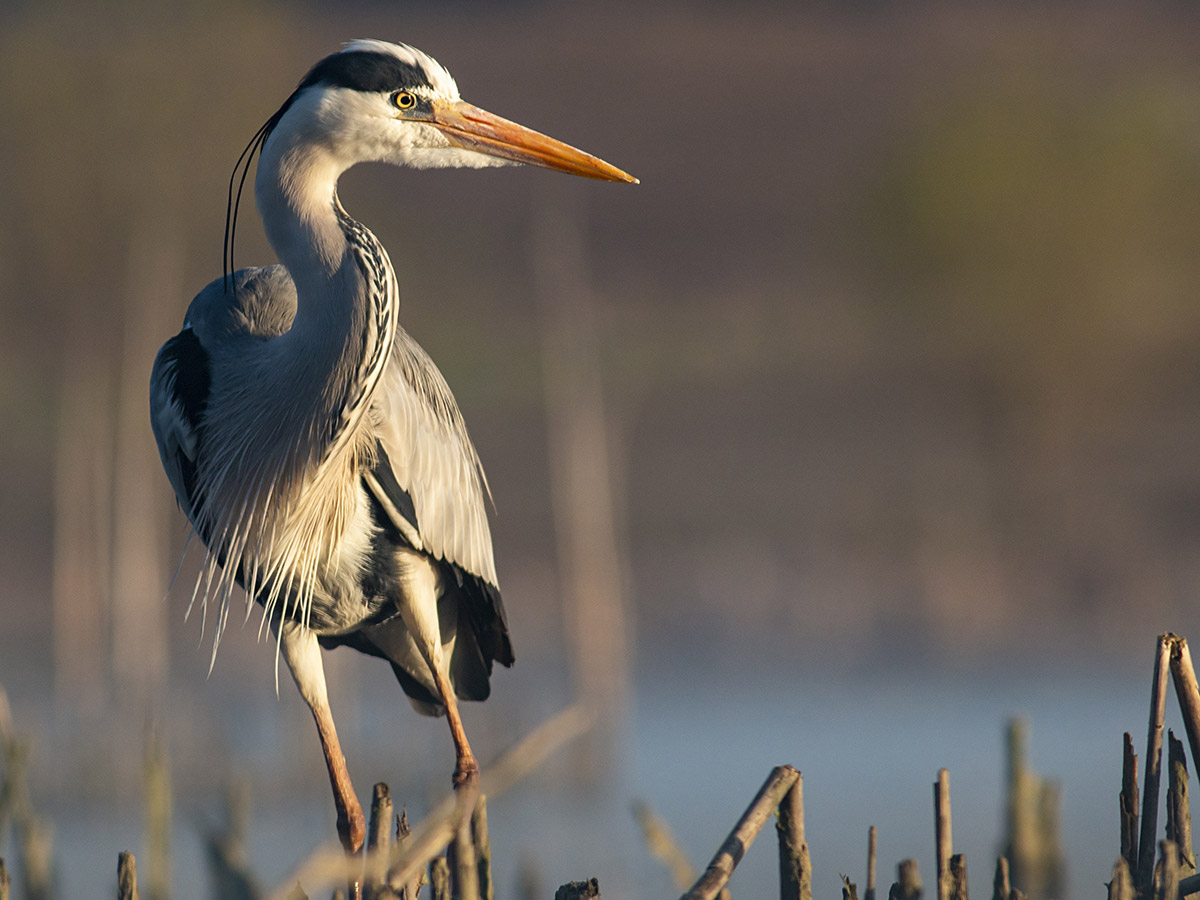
x: 472, y: 128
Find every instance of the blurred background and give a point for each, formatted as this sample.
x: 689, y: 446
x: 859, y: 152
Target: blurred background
x: 870, y: 418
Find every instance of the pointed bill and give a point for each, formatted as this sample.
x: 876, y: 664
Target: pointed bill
x: 472, y: 128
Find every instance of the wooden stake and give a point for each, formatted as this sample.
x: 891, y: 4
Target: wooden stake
x: 1001, y: 886
x: 578, y: 890
x: 126, y: 877
x: 849, y: 889
x: 461, y: 857
x: 379, y: 839
x: 795, y: 867
x: 1121, y: 886
x: 1151, y: 781
x: 411, y: 890
x: 908, y: 883
x: 1166, y: 872
x: 483, y: 849
x: 780, y: 781
x: 958, y: 877
x: 1022, y: 841
x: 158, y: 803
x: 1187, y: 692
x: 1050, y: 854
x: 5, y: 883
x: 1128, y: 800
x: 1179, y: 816
x: 945, y: 842
x: 439, y: 878
x: 871, y: 863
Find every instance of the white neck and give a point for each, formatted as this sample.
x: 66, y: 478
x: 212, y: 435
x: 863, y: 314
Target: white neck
x: 296, y: 190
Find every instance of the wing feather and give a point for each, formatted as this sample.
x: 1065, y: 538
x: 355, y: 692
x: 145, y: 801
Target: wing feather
x: 432, y: 460
x: 179, y: 385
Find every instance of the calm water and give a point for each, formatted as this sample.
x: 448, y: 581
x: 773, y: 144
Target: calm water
x: 701, y: 741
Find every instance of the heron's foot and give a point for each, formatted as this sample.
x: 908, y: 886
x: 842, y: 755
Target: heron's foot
x: 466, y: 772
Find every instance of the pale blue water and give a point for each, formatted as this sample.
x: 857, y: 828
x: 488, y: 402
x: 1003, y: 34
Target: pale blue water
x: 701, y: 741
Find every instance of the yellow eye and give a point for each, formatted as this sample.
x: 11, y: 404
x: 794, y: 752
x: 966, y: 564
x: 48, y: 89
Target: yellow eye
x: 404, y: 100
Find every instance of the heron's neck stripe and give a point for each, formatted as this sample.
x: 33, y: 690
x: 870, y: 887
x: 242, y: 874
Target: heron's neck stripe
x: 381, y: 323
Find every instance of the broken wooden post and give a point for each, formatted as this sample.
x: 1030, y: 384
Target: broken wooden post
x: 1179, y: 816
x: 126, y: 877
x: 1165, y: 879
x: 1150, y: 783
x: 439, y: 878
x: 158, y: 804
x: 1121, y: 886
x: 944, y: 840
x: 849, y: 889
x: 460, y: 856
x: 958, y: 877
x: 1187, y: 692
x: 871, y: 863
x: 483, y: 849
x: 379, y: 839
x: 780, y: 781
x: 1001, y: 885
x: 1128, y: 800
x: 578, y: 890
x: 795, y: 866
x: 1021, y: 846
x: 908, y: 881
x: 1050, y: 852
x: 412, y: 889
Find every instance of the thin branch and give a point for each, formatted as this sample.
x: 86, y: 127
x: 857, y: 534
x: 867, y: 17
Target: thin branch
x: 734, y: 848
x: 662, y: 845
x: 1154, y: 742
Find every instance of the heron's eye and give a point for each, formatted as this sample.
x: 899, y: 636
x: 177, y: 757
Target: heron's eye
x: 404, y: 100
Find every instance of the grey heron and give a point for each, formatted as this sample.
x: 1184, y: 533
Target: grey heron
x: 312, y: 444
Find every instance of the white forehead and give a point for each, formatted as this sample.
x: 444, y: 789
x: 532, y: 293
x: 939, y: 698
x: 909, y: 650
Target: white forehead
x: 442, y: 80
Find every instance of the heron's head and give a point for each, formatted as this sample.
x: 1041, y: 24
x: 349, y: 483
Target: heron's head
x: 376, y: 101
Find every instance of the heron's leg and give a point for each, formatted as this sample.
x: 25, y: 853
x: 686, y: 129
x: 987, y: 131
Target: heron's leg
x: 467, y: 767
x: 418, y: 606
x: 303, y: 656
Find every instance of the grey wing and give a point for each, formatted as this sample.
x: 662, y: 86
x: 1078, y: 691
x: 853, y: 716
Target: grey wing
x: 436, y: 498
x: 179, y: 385
x: 262, y: 304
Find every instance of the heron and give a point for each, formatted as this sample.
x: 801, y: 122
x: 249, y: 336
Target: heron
x: 313, y: 445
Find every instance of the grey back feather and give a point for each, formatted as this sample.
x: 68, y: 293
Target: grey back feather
x: 414, y: 417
